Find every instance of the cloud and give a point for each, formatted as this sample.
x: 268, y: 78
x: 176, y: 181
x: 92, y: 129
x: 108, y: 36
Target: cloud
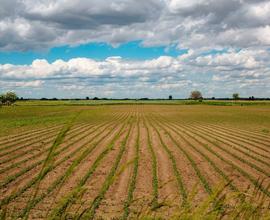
x: 85, y: 67
x: 86, y: 15
x: 35, y: 25
x: 244, y: 59
x: 227, y: 41
x: 216, y: 74
x: 22, y: 84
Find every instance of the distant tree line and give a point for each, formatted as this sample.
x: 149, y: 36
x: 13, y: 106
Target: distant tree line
x: 197, y: 95
x: 10, y: 98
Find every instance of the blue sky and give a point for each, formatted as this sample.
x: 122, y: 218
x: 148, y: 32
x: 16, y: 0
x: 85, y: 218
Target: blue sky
x: 98, y: 51
x: 127, y: 48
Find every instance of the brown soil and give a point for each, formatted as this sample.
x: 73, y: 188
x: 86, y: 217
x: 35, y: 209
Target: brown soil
x: 193, y: 138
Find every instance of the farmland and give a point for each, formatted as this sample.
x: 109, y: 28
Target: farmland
x: 129, y: 161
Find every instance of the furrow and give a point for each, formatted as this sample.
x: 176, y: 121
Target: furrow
x: 66, y: 203
x: 60, y: 181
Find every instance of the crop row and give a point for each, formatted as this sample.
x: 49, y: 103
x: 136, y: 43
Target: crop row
x: 178, y: 176
x: 260, y: 147
x: 9, y: 179
x: 89, y: 212
x: 17, y: 164
x: 154, y: 169
x: 69, y: 171
x: 244, y: 134
x: 254, y: 166
x: 34, y: 180
x: 72, y: 197
x: 132, y: 184
x: 16, y: 145
x: 201, y: 177
x: 236, y: 167
x: 21, y: 137
x: 50, y: 134
x: 207, y: 158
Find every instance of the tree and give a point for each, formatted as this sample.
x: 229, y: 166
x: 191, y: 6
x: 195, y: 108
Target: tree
x: 170, y: 97
x: 3, y: 98
x: 8, y: 98
x: 87, y: 98
x: 11, y: 97
x: 235, y: 96
x: 195, y: 95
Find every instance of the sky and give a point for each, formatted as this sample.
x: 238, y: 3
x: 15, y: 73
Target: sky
x: 134, y: 48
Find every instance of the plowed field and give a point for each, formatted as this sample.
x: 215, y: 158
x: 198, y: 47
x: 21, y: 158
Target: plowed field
x: 130, y: 161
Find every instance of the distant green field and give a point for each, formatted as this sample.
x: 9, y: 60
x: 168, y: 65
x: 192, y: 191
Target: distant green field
x: 123, y: 102
x: 34, y: 114
x: 22, y: 117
